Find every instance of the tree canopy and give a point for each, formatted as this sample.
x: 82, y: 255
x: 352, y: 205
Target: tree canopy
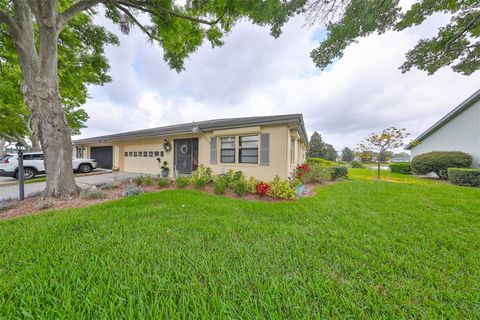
x: 347, y: 154
x: 81, y: 63
x: 456, y: 44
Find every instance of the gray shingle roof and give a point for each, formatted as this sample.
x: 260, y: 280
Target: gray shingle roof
x: 452, y: 114
x: 209, y: 125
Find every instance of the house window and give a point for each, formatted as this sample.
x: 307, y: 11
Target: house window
x: 140, y: 153
x: 157, y: 153
x: 248, y: 149
x: 135, y: 153
x: 292, y: 151
x: 126, y: 154
x: 80, y: 152
x: 145, y: 153
x: 130, y: 153
x: 227, y: 150
x: 150, y: 153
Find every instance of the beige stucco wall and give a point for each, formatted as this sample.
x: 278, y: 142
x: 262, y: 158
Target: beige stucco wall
x: 280, y: 163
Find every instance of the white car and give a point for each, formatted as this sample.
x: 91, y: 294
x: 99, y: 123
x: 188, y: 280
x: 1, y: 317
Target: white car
x: 33, y: 165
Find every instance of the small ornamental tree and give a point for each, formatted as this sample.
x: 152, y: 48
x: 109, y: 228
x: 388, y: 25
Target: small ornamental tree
x: 390, y: 138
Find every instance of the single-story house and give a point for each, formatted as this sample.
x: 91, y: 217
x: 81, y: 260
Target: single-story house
x: 261, y: 147
x: 459, y: 130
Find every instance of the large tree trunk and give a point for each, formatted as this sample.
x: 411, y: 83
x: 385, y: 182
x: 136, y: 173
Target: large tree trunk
x: 34, y: 136
x: 44, y: 103
x: 41, y: 92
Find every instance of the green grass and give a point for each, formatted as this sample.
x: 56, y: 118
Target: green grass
x: 358, y: 249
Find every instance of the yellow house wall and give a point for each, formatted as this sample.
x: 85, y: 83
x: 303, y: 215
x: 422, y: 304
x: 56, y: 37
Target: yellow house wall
x: 279, y: 152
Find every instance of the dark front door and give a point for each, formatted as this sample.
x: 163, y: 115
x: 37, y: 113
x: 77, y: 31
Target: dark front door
x: 186, y: 155
x: 103, y: 155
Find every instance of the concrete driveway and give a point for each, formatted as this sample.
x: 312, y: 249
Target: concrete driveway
x: 11, y: 190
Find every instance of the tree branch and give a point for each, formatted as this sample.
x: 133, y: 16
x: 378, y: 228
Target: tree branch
x: 135, y: 21
x: 6, y: 19
x: 462, y: 31
x: 76, y: 8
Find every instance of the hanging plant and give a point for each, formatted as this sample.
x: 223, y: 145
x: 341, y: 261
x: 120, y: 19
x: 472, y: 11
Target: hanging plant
x: 167, y: 146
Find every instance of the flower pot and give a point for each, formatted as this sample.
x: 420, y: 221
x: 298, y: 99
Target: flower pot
x: 164, y: 173
x: 300, y: 189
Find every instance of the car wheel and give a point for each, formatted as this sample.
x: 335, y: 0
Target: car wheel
x: 28, y: 174
x: 84, y: 168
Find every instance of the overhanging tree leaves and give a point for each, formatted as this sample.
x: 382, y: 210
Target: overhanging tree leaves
x: 457, y: 44
x: 34, y: 26
x: 81, y: 62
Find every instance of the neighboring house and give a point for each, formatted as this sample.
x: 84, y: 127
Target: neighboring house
x: 459, y: 130
x: 400, y: 159
x: 259, y: 146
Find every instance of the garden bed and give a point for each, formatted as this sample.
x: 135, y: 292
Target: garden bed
x: 36, y: 204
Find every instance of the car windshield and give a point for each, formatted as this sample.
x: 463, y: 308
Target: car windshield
x: 5, y: 157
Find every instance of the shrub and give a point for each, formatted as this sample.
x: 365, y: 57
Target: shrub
x: 356, y: 164
x: 464, y: 177
x: 147, y: 180
x: 240, y: 187
x: 301, y: 171
x: 263, y: 188
x: 163, y: 182
x: 182, y: 182
x: 339, y: 172
x: 109, y: 186
x: 281, y: 189
x: 201, y: 177
x: 320, y: 161
x: 252, y: 185
x: 220, y: 186
x: 94, y: 194
x: 401, y: 167
x: 200, y: 183
x: 138, y: 180
x: 439, y: 162
x: 131, y: 190
x: 318, y: 173
x: 8, y: 204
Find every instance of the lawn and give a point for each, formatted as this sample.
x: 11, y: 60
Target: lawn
x: 404, y: 248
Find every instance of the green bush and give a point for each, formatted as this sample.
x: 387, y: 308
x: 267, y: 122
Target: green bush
x: 281, y: 189
x: 318, y: 173
x: 439, y: 162
x: 163, y: 182
x: 132, y: 190
x: 356, y: 164
x: 339, y: 172
x: 321, y: 161
x: 240, y: 187
x: 200, y: 183
x: 138, y: 180
x: 182, y: 182
x: 252, y: 184
x: 201, y: 177
x: 93, y: 194
x: 147, y: 180
x: 401, y: 167
x: 220, y: 185
x: 464, y: 177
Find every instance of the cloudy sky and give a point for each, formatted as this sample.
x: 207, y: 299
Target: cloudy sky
x: 255, y: 74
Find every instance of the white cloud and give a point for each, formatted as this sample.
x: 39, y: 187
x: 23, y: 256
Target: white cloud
x: 254, y: 74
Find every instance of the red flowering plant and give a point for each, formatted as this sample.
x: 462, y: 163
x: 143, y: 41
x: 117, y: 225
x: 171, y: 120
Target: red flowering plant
x: 263, y: 188
x: 300, y: 172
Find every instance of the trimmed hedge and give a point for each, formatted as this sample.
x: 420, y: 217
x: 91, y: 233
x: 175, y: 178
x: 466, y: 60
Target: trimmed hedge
x: 401, y: 167
x: 439, y: 162
x: 321, y: 162
x: 464, y: 177
x: 339, y: 172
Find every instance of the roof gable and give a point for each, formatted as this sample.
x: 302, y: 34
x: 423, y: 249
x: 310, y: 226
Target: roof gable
x: 470, y: 101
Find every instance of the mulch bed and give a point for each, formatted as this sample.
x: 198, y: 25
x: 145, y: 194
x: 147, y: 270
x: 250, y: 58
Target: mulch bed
x: 37, y: 204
